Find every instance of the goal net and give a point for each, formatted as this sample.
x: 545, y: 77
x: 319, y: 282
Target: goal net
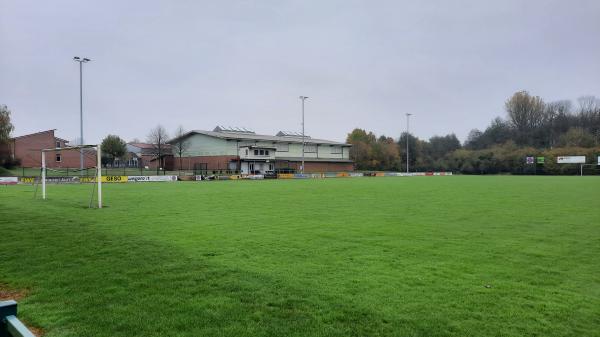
x: 85, y: 151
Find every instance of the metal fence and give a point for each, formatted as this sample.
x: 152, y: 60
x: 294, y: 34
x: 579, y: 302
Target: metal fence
x: 126, y: 171
x: 89, y: 172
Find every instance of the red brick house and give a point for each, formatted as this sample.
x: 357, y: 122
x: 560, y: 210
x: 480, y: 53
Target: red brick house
x: 27, y: 149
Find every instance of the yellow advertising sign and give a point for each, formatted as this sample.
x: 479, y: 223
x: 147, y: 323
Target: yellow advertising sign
x: 105, y: 179
x: 27, y: 180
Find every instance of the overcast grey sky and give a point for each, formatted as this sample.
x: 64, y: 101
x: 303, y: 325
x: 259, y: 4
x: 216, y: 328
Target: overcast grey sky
x: 244, y: 63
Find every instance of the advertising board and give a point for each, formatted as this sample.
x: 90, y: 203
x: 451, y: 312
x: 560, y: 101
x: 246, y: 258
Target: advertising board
x: 9, y: 180
x: 105, y: 179
x: 150, y: 178
x: 570, y: 160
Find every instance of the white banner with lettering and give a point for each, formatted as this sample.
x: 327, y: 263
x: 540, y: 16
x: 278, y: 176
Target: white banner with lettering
x: 8, y: 180
x: 151, y: 178
x: 571, y: 160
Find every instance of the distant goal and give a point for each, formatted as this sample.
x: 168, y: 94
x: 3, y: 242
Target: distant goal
x: 81, y: 148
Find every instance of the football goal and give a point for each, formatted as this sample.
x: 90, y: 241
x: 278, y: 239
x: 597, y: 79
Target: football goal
x: 96, y: 180
x: 589, y: 169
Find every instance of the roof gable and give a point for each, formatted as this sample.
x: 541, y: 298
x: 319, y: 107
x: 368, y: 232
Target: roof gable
x: 51, y: 131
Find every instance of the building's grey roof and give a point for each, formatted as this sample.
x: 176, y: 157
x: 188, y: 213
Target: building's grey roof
x: 255, y: 137
x: 290, y: 134
x: 221, y: 128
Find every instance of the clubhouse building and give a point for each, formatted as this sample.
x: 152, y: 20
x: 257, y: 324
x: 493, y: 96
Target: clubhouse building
x: 242, y: 150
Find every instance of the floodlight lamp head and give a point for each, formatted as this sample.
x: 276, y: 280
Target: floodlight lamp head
x: 303, y: 97
x: 86, y: 59
x: 76, y: 58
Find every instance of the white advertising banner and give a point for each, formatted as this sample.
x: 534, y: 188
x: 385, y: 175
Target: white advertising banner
x: 9, y: 180
x: 570, y: 160
x: 598, y: 160
x: 151, y: 178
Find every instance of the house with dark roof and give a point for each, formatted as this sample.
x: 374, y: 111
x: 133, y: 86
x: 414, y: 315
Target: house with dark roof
x: 239, y: 149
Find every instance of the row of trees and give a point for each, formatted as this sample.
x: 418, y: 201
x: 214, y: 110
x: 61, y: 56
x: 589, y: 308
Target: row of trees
x: 532, y: 122
x: 531, y: 128
x: 510, y: 158
x: 370, y: 152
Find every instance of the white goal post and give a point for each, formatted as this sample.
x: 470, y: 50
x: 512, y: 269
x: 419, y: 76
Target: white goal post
x: 80, y: 147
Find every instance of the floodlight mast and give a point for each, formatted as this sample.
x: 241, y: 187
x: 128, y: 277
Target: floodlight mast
x: 303, y: 98
x: 81, y: 62
x: 407, y: 138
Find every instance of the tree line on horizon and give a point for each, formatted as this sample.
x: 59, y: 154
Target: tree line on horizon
x: 531, y: 127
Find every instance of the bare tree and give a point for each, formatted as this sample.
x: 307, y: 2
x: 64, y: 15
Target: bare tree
x: 526, y: 113
x: 558, y: 115
x: 588, y: 104
x: 180, y: 143
x: 589, y: 115
x: 158, y: 138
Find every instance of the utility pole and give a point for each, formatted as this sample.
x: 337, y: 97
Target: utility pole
x: 407, y: 139
x: 81, y: 62
x: 303, y: 98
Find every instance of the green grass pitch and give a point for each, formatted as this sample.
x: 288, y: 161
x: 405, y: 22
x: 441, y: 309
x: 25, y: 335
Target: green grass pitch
x: 422, y: 256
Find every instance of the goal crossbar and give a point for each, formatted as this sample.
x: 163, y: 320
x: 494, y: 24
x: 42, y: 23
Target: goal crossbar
x: 71, y: 148
x: 79, y: 147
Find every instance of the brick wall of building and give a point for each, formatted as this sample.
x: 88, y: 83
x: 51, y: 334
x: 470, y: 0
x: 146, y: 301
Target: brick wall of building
x: 28, y: 149
x: 150, y: 161
x: 222, y: 163
x: 5, y: 152
x: 212, y: 162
